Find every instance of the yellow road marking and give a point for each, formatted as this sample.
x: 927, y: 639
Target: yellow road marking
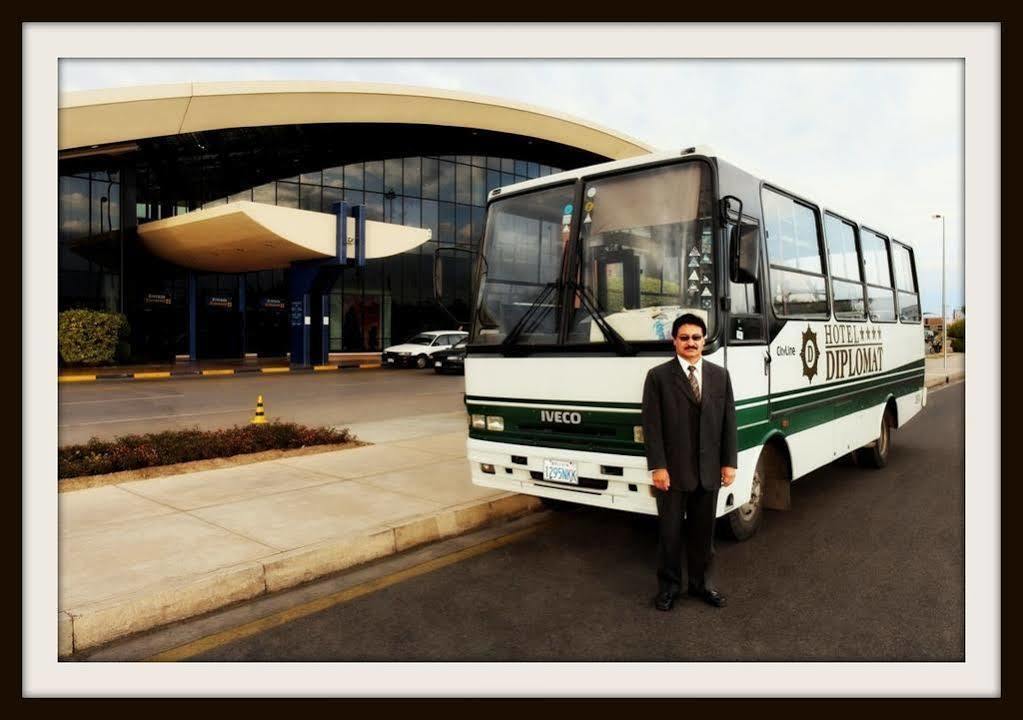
x: 275, y: 369
x: 319, y: 368
x: 75, y: 378
x: 218, y: 372
x: 370, y: 366
x: 151, y: 375
x: 196, y: 647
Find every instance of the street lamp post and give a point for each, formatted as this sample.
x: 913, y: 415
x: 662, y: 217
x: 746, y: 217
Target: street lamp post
x: 944, y: 332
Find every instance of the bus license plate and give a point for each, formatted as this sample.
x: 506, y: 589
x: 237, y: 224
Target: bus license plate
x: 561, y: 471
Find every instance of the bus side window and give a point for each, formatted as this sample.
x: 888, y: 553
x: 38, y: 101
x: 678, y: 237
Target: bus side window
x: 746, y: 323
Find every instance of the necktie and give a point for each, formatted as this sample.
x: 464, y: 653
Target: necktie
x: 694, y: 382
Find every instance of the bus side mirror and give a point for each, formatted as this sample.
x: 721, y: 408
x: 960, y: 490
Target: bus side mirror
x: 744, y: 246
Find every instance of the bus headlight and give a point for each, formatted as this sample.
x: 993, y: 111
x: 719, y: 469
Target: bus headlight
x: 479, y: 422
x: 495, y: 423
x: 637, y: 434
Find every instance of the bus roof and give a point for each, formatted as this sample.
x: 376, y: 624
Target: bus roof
x: 660, y: 156
x: 567, y: 175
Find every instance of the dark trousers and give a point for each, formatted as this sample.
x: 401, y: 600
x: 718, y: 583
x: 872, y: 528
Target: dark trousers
x: 695, y: 532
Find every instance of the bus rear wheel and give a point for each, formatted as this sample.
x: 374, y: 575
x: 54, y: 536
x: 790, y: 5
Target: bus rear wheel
x: 875, y: 455
x: 743, y: 522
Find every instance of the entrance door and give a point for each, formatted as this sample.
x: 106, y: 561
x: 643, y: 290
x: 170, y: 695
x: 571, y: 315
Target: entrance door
x: 271, y: 338
x: 219, y: 325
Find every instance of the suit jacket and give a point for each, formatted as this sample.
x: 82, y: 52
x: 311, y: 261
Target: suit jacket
x: 693, y: 441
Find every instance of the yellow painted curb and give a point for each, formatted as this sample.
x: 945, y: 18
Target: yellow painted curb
x: 275, y: 369
x: 369, y: 366
x: 151, y: 375
x: 75, y: 378
x: 324, y: 368
x: 218, y: 372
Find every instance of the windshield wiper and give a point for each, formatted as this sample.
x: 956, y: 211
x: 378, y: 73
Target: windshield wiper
x: 511, y: 340
x: 527, y: 323
x: 622, y: 346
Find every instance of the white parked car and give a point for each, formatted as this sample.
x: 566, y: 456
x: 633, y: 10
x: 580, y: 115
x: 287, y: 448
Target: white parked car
x: 418, y: 349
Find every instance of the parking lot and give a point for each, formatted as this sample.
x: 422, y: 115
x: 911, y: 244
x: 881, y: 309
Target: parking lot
x: 338, y: 398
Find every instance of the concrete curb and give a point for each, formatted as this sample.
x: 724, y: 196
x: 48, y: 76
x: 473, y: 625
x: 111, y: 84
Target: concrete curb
x: 213, y: 372
x: 65, y: 634
x: 937, y: 380
x: 102, y: 622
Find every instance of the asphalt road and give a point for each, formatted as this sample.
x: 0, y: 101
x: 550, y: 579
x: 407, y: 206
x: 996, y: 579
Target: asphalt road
x: 868, y: 566
x: 112, y: 408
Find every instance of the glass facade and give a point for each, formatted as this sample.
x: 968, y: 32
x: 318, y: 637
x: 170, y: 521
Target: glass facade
x: 89, y: 240
x: 382, y: 303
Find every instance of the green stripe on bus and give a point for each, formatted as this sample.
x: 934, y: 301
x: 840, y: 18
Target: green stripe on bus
x: 774, y: 397
x: 612, y: 432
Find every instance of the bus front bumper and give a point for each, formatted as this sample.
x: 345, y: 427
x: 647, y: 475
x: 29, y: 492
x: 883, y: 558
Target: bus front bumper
x: 620, y: 482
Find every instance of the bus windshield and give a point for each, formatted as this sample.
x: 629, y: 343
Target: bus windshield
x: 524, y: 246
x: 645, y: 252
x: 643, y: 255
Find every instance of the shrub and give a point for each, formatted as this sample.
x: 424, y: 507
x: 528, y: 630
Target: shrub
x: 131, y: 452
x: 957, y: 335
x: 90, y: 337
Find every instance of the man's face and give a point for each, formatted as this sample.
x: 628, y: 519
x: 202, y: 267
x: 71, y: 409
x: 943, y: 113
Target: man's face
x: 689, y: 342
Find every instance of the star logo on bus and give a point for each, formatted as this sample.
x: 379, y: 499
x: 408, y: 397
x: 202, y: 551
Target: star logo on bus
x: 810, y: 354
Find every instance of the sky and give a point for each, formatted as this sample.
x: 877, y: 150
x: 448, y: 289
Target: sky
x: 878, y: 140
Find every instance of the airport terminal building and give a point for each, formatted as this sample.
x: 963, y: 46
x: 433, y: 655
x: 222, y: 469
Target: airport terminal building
x: 196, y: 209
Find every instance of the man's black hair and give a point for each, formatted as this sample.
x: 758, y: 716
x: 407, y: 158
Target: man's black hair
x: 688, y: 319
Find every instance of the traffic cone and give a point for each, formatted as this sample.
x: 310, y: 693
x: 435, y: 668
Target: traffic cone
x: 259, y: 418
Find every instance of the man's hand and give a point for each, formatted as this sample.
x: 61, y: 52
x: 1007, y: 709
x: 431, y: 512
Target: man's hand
x: 727, y: 476
x: 661, y: 479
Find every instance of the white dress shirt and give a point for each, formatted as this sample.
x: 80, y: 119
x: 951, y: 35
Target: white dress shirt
x: 699, y: 370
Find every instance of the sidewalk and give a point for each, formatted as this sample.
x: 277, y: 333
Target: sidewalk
x: 938, y: 371
x: 218, y: 368
x: 141, y: 554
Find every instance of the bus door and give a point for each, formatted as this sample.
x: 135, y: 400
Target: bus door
x: 618, y: 280
x: 747, y: 355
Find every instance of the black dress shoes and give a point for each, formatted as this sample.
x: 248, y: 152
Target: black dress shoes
x: 665, y: 600
x: 711, y: 597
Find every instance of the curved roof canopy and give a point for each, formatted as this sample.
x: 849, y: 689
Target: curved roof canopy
x: 100, y: 117
x: 245, y: 236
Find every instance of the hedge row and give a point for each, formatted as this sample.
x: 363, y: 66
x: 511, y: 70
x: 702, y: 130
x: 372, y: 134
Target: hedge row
x: 90, y: 337
x: 132, y: 452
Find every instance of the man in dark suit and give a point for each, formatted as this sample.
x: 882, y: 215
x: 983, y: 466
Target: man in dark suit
x: 689, y: 433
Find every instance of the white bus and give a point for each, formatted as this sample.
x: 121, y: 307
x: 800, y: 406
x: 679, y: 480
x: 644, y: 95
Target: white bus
x: 816, y: 316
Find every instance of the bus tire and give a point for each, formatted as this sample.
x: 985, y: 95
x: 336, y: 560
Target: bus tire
x: 421, y: 362
x: 875, y: 455
x: 743, y: 522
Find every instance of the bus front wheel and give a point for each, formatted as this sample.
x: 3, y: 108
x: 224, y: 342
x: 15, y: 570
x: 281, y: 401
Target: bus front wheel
x: 875, y: 455
x: 743, y: 522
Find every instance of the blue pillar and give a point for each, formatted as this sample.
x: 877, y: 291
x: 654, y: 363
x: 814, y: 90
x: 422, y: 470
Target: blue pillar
x: 192, y: 290
x: 300, y: 286
x: 341, y: 213
x: 360, y: 235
